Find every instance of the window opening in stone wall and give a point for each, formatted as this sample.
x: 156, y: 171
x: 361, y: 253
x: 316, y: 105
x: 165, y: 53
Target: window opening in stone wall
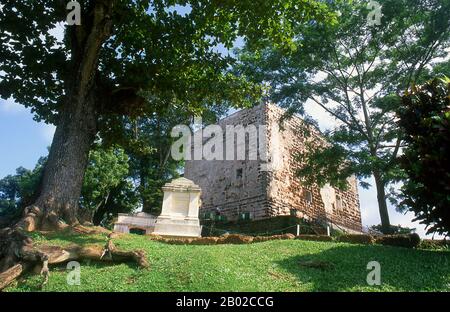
x: 308, y: 197
x: 244, y: 216
x: 339, y: 205
x: 239, y: 173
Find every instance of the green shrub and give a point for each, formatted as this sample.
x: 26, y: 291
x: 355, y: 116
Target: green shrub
x: 279, y: 225
x: 433, y: 244
x: 356, y: 239
x: 403, y: 240
x: 424, y: 118
x: 336, y: 232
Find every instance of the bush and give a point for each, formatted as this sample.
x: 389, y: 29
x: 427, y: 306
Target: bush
x: 155, y: 237
x: 256, y: 227
x: 424, y: 119
x: 356, y: 239
x: 226, y: 239
x: 433, y: 244
x: 287, y: 236
x: 405, y: 240
x: 394, y: 229
x: 336, y: 232
x: 318, y: 238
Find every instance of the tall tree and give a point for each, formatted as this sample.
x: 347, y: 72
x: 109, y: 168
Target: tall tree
x: 122, y: 48
x: 356, y: 71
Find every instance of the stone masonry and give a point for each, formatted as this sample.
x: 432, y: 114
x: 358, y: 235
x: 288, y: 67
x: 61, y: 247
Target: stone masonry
x: 237, y: 187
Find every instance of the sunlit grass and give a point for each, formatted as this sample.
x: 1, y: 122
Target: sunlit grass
x: 267, y: 266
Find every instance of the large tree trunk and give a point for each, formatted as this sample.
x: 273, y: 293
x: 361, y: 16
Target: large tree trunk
x: 67, y: 161
x: 76, y: 128
x: 382, y: 205
x: 64, y: 172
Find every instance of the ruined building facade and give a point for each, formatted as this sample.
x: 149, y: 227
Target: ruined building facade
x: 252, y: 189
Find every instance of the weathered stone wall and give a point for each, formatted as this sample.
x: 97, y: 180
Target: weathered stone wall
x: 285, y: 191
x: 287, y: 195
x: 349, y: 214
x: 221, y: 183
x: 276, y: 192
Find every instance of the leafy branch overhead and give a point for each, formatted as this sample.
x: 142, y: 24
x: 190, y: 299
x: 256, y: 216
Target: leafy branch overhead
x: 151, y: 47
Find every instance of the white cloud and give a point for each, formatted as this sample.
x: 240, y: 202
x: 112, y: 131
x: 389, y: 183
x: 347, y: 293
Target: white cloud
x: 9, y: 107
x: 326, y: 122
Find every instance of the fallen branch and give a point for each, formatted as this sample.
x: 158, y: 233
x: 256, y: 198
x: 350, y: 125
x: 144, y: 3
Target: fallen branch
x: 10, y: 275
x: 18, y: 254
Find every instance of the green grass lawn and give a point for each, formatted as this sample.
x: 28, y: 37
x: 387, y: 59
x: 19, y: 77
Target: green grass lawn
x: 267, y: 266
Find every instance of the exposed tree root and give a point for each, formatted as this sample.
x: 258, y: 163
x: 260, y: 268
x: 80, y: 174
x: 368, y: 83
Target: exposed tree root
x: 11, y: 274
x: 18, y: 254
x: 44, y: 216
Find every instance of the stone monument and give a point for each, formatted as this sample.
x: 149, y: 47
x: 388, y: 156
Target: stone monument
x: 179, y: 215
x: 141, y: 221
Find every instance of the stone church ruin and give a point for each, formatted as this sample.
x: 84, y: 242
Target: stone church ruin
x: 244, y: 189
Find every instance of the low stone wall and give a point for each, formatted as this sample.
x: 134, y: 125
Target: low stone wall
x: 407, y: 241
x: 237, y: 239
x: 224, y: 239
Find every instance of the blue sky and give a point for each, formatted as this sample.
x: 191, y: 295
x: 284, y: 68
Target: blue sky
x: 22, y: 139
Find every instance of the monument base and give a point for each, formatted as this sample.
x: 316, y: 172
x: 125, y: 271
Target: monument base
x: 177, y: 227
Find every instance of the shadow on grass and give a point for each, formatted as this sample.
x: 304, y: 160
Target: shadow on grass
x: 401, y: 269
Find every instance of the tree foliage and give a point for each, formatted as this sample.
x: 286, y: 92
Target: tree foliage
x: 152, y: 47
x: 107, y: 169
x: 395, y: 229
x: 18, y: 190
x: 425, y: 119
x: 356, y: 72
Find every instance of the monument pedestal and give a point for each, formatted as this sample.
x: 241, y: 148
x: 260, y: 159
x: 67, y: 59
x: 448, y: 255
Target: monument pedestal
x: 179, y: 215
